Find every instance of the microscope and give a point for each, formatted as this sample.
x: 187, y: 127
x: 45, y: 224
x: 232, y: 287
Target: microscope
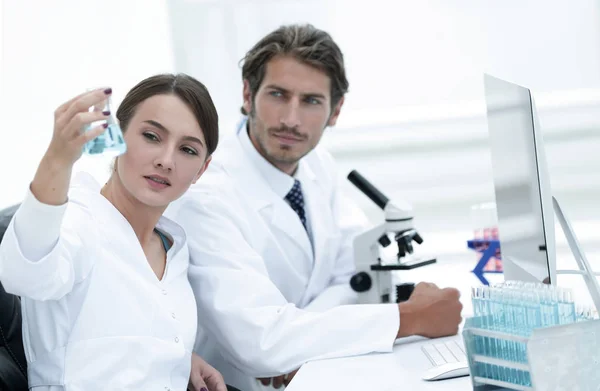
x: 373, y: 277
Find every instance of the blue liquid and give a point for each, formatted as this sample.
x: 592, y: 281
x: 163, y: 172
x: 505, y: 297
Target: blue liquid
x: 110, y: 142
x: 516, y: 310
x: 567, y: 312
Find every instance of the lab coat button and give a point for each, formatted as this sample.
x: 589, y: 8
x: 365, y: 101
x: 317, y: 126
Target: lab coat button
x: 176, y: 339
x: 164, y: 291
x: 173, y: 315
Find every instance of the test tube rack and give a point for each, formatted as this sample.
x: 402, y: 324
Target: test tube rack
x: 558, y: 358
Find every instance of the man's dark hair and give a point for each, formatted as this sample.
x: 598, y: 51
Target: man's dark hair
x: 305, y: 43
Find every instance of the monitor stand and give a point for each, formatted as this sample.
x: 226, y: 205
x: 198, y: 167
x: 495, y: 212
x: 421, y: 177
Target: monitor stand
x: 585, y: 269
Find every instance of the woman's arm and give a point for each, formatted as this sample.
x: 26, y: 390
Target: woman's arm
x: 37, y: 251
x: 51, y: 182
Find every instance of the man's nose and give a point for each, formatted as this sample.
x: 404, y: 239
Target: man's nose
x: 291, y: 115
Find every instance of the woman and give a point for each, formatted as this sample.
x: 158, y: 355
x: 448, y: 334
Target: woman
x: 103, y: 276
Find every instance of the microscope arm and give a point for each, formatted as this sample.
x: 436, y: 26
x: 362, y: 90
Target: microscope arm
x: 366, y: 246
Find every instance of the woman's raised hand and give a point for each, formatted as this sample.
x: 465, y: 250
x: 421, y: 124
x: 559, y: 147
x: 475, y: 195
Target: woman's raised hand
x: 70, y: 121
x: 52, y: 178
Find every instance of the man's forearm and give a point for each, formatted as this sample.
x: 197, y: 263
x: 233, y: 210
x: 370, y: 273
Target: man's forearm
x: 332, y: 296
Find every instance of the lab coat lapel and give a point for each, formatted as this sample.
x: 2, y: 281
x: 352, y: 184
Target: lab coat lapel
x: 320, y: 224
x: 286, y: 220
x: 116, y: 231
x: 121, y: 236
x: 262, y: 197
x: 124, y: 240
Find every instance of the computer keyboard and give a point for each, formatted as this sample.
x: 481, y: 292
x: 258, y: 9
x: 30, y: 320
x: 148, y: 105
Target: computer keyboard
x: 440, y: 353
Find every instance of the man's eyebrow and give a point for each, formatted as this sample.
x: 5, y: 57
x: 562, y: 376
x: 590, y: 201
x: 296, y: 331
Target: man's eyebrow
x: 160, y: 126
x: 312, y: 94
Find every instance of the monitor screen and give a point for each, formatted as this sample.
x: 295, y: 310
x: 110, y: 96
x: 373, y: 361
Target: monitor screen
x: 521, y: 183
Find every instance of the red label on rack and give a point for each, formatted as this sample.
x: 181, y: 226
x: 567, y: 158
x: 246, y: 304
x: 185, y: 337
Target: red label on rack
x: 487, y: 233
x: 495, y: 233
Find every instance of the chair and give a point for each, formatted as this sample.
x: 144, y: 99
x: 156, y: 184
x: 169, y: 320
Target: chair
x: 13, y: 365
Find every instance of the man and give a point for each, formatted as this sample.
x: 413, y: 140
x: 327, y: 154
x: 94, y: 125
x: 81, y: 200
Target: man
x: 271, y: 235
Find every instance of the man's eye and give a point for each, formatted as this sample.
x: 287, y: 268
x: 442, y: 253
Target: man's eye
x: 276, y: 93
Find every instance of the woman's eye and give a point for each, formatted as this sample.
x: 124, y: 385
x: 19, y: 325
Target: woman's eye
x: 189, y: 151
x: 150, y: 136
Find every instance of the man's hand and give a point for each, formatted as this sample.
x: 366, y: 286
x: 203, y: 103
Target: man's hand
x: 430, y: 312
x: 204, y: 377
x: 278, y: 381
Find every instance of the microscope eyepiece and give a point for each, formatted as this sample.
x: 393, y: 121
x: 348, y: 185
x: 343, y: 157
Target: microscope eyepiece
x: 368, y: 189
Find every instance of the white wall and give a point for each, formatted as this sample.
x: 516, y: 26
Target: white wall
x: 548, y: 45
x: 53, y: 50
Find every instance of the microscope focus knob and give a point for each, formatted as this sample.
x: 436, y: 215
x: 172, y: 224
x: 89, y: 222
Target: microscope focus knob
x: 417, y: 238
x: 361, y: 282
x: 385, y: 241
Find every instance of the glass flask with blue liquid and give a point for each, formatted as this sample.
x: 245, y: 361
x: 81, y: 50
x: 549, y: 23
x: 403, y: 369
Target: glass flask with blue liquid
x: 111, y: 142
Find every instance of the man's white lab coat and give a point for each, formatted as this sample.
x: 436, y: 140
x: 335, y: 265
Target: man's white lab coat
x: 266, y: 303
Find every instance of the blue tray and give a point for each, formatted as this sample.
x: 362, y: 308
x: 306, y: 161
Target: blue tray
x: 492, y: 248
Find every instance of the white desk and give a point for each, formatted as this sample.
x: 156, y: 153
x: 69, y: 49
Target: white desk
x: 401, y: 370
x: 397, y: 371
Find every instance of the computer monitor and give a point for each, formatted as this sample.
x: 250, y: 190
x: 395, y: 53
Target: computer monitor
x: 521, y: 183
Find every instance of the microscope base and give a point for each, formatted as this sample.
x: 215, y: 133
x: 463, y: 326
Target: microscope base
x: 408, y: 265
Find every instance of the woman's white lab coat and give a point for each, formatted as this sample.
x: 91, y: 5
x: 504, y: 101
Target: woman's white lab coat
x: 95, y: 315
x: 267, y: 305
